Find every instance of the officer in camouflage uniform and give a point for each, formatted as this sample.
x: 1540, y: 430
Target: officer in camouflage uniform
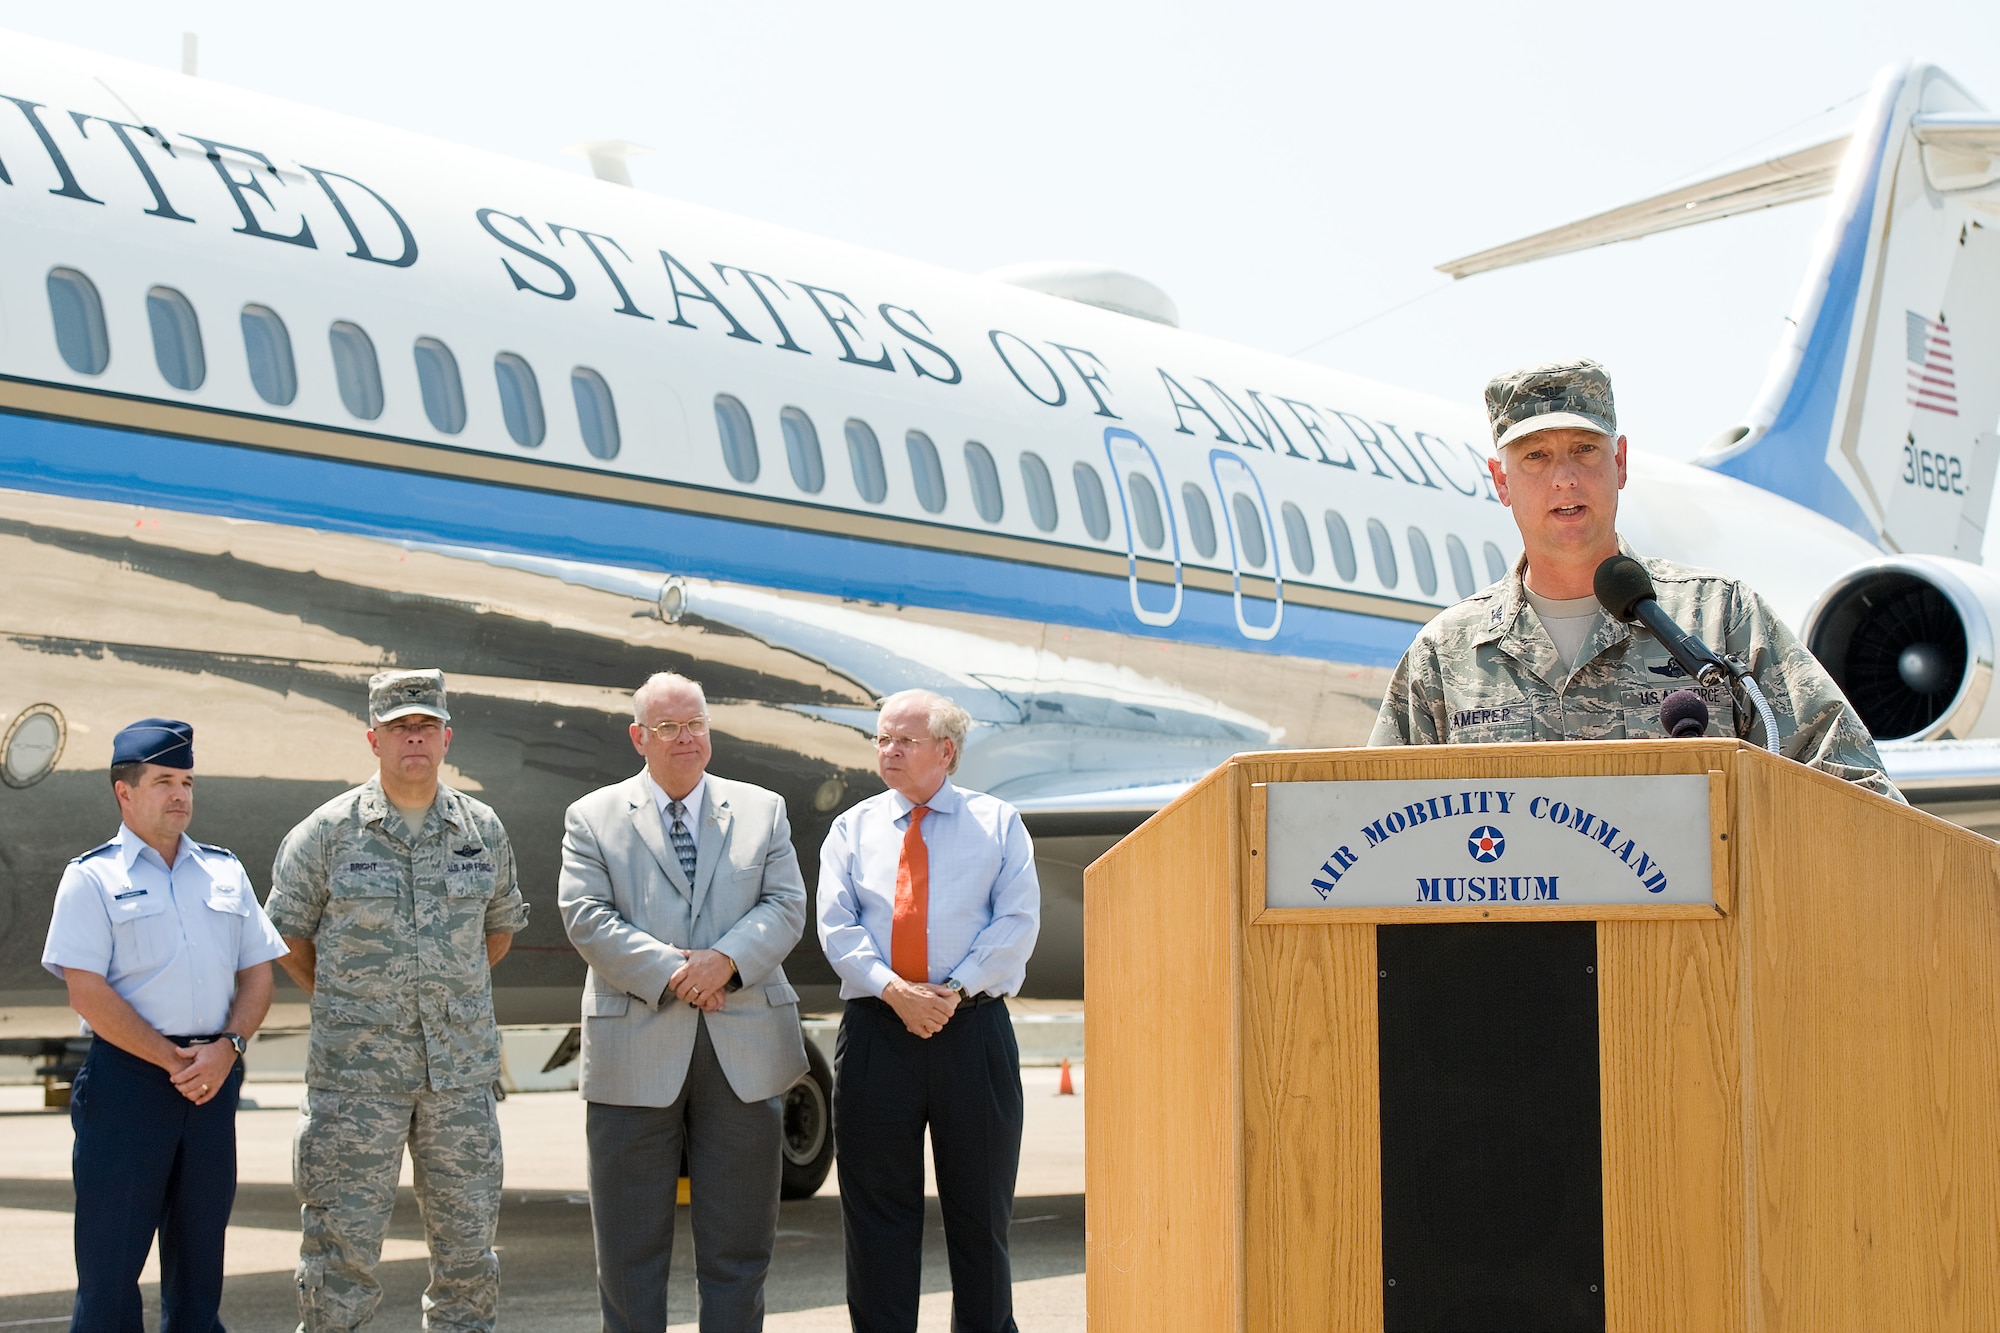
x: 1535, y: 658
x: 396, y: 898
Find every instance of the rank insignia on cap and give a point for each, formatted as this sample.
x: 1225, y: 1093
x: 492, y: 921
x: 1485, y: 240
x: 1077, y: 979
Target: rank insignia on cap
x: 1552, y: 396
x: 394, y: 694
x: 154, y: 740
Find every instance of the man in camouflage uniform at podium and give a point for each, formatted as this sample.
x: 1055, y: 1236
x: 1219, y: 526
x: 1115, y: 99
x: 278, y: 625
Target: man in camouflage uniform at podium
x: 396, y: 899
x: 1534, y: 657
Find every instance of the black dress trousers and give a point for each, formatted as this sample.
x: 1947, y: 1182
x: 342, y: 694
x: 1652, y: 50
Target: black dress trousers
x: 149, y: 1160
x: 965, y: 1084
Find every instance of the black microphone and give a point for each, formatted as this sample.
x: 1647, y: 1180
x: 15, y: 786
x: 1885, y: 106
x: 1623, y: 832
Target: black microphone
x: 1626, y: 590
x: 1684, y: 714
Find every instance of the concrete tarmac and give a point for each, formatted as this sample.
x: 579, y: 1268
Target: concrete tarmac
x: 547, y: 1275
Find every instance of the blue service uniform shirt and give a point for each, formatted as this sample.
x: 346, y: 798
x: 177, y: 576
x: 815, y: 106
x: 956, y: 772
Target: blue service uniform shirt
x: 985, y: 906
x: 170, y: 942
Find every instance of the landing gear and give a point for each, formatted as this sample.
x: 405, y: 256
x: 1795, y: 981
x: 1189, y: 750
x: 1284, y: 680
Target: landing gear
x: 808, y: 1131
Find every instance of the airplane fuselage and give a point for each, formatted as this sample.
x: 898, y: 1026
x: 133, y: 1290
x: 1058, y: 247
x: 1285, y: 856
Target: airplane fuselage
x: 286, y: 398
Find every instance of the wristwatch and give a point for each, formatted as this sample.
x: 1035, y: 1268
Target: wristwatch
x: 236, y: 1043
x: 956, y: 987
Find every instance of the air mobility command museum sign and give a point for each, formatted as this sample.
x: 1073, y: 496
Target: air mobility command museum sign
x: 1550, y: 843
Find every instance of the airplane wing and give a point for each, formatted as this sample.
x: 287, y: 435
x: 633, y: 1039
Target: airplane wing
x: 1944, y: 772
x: 1111, y: 813
x: 1804, y: 174
x: 1960, y: 774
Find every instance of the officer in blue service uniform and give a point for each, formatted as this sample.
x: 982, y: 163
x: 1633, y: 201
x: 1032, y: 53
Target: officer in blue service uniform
x: 167, y: 957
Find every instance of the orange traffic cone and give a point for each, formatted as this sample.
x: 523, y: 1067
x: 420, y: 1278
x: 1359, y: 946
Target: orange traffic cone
x: 1064, y: 1088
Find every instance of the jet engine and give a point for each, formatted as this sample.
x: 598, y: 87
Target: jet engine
x: 1910, y: 640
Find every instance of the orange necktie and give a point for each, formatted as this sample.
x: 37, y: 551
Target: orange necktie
x: 910, y: 929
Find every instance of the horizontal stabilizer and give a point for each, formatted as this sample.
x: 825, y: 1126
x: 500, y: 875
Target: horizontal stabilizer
x: 1805, y: 174
x: 1961, y: 148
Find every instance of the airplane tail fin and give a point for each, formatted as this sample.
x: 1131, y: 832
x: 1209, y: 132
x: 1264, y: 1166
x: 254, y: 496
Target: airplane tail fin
x: 1880, y: 406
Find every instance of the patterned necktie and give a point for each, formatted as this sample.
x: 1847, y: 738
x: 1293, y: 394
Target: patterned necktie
x: 909, y: 930
x: 683, y: 840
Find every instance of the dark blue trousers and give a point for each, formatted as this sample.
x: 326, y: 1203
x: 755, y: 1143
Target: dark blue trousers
x: 149, y: 1160
x: 965, y: 1084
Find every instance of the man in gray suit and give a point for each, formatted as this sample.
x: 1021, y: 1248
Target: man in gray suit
x: 682, y: 892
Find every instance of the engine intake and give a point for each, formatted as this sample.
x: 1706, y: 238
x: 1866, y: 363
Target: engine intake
x: 1910, y: 641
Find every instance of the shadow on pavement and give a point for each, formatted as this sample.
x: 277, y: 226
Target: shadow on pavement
x: 547, y: 1269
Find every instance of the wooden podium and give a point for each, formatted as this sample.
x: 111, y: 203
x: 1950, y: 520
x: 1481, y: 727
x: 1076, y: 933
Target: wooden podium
x: 1796, y: 1091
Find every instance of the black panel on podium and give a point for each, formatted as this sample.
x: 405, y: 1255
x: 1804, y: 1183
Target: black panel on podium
x: 1492, y: 1185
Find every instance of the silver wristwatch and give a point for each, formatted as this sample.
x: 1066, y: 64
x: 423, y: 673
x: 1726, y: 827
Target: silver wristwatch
x: 237, y: 1043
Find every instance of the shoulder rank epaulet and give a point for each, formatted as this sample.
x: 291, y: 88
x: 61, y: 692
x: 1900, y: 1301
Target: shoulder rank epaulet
x: 98, y: 850
x: 220, y: 851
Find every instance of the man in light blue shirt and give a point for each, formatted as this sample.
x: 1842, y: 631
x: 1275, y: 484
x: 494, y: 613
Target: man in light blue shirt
x: 928, y: 910
x: 167, y: 958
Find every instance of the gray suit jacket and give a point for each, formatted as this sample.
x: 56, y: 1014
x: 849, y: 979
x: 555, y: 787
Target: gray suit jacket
x: 630, y: 912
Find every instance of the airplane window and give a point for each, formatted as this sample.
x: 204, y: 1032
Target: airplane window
x: 79, y: 320
x: 986, y: 496
x: 443, y: 391
x: 1249, y: 530
x: 1146, y: 511
x: 268, y: 348
x: 1298, y: 537
x: 520, y: 399
x: 1496, y: 564
x: 926, y: 470
x: 1041, y: 489
x: 596, y: 413
x: 1201, y: 524
x: 356, y: 370
x: 864, y: 454
x: 1420, y: 558
x: 1385, y: 552
x: 176, y: 338
x: 1461, y: 566
x: 1342, y: 543
x: 802, y: 450
x: 1090, y: 499
x: 738, y: 436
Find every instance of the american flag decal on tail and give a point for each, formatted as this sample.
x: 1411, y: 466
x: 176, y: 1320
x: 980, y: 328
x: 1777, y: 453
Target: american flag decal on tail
x: 1931, y: 383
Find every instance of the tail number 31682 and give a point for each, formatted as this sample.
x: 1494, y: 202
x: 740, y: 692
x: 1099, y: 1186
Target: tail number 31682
x: 1933, y: 472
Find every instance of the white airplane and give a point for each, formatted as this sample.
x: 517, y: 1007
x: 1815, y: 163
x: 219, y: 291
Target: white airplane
x: 286, y: 397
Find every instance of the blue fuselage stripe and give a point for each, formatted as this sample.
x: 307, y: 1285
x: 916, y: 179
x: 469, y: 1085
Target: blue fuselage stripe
x: 94, y: 462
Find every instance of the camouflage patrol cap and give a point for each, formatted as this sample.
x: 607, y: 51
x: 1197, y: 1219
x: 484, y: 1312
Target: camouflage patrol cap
x: 394, y: 694
x: 1557, y: 394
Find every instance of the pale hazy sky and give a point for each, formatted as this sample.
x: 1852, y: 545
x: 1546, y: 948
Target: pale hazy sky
x: 1282, y: 170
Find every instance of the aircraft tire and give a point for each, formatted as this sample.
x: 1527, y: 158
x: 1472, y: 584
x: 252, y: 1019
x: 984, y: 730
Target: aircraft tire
x: 808, y: 1129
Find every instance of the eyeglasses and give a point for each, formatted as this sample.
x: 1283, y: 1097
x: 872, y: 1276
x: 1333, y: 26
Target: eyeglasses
x: 671, y: 731
x: 885, y: 742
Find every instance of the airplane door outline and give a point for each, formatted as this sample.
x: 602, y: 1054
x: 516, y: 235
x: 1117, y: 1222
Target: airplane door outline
x: 1216, y: 459
x: 1158, y: 619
